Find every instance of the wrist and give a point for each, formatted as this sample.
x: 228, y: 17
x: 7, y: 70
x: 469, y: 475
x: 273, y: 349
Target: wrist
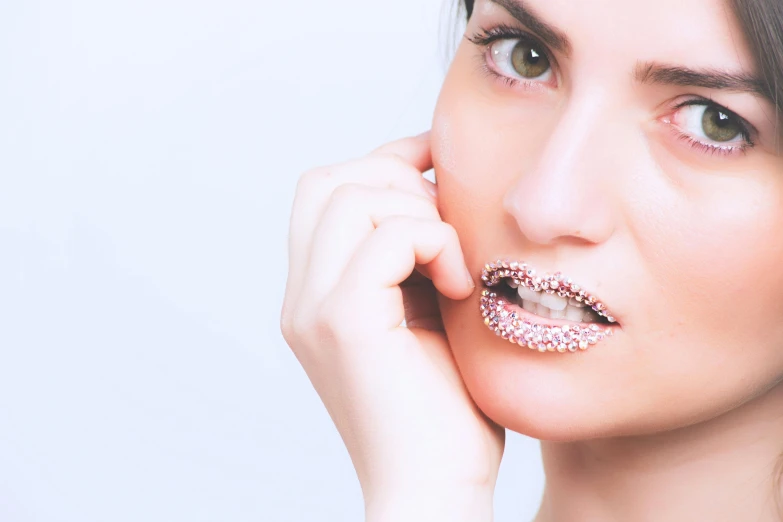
x: 430, y: 504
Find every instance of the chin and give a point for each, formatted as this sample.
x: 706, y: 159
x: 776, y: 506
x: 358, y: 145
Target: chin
x: 607, y: 391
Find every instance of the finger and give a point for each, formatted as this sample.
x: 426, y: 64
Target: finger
x: 315, y: 188
x: 397, y: 165
x: 353, y: 213
x: 389, y: 256
x: 416, y: 151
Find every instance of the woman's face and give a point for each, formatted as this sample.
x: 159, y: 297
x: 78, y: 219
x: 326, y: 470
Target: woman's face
x: 587, y: 148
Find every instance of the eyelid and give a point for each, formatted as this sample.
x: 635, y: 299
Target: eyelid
x: 708, y: 148
x: 487, y: 36
x: 748, y: 128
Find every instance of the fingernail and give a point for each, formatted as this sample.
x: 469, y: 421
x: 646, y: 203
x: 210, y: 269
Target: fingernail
x: 470, y: 278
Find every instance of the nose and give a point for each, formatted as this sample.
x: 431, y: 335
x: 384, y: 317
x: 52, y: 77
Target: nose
x: 564, y: 196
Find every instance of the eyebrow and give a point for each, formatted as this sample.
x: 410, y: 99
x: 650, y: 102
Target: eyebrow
x: 548, y: 34
x: 655, y: 73
x: 648, y: 72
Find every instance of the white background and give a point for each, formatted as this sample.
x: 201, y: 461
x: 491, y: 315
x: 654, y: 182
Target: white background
x: 148, y: 155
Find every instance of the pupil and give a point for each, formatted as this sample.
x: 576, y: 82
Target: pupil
x: 534, y: 56
x: 719, y: 126
x: 528, y: 61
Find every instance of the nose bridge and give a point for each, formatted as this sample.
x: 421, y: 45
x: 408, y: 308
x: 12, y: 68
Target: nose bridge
x: 561, y: 196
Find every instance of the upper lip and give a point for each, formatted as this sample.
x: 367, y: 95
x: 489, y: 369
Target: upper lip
x: 526, y: 275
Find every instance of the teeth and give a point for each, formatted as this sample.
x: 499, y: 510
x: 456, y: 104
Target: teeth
x: 554, y: 302
x: 552, y: 306
x: 573, y: 313
x: 570, y: 313
x: 556, y: 314
x: 529, y: 295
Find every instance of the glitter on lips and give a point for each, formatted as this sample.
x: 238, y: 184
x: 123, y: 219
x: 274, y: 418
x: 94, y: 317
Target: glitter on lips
x: 501, y: 317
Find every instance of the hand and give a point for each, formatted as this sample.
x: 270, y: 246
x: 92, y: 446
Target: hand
x: 364, y: 235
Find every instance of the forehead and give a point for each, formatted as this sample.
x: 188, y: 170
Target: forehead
x: 691, y: 33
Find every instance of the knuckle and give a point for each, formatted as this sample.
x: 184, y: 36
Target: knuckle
x: 288, y: 329
x: 333, y: 320
x: 314, y: 176
x: 397, y: 162
x: 391, y: 225
x: 305, y: 333
x: 346, y: 193
x: 307, y: 178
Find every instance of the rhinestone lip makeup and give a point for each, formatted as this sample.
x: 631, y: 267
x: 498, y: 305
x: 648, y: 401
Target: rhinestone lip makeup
x: 520, y: 326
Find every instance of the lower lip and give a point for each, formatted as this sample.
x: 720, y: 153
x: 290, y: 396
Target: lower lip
x: 521, y: 327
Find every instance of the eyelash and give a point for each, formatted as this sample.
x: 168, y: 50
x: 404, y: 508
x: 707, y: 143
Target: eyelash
x: 723, y: 150
x: 485, y: 37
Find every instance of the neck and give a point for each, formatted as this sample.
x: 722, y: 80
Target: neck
x: 723, y: 469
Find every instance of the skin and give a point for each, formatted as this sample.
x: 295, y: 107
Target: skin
x: 363, y: 236
x: 679, y: 415
x: 582, y: 174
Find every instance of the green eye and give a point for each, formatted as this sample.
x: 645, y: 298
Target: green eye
x: 528, y: 60
x: 720, y: 126
x: 521, y: 58
x: 711, y: 128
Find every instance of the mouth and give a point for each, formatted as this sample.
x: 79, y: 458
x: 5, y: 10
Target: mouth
x: 547, y: 313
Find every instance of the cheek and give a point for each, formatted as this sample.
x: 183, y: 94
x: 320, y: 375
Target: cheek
x: 713, y: 253
x: 700, y: 275
x: 480, y: 146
